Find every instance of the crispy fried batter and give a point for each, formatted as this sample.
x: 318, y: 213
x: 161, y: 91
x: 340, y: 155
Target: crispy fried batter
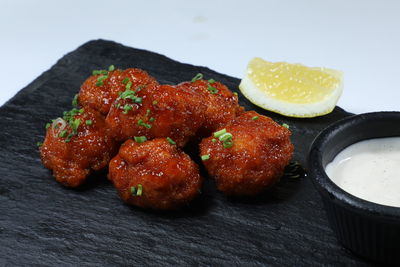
x: 261, y: 150
x: 164, y: 111
x: 101, y: 97
x: 222, y: 104
x: 89, y: 150
x: 167, y: 177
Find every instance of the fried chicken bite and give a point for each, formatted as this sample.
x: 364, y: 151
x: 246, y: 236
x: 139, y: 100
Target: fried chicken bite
x: 154, y: 174
x: 222, y: 104
x: 101, y: 89
x: 163, y: 111
x: 248, y: 155
x: 76, y: 145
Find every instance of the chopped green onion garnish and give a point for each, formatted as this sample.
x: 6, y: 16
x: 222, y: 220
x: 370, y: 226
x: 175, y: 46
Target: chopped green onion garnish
x: 198, y: 76
x: 236, y: 94
x: 111, y: 68
x: 127, y: 108
x: 225, y: 137
x: 63, y: 133
x: 128, y: 85
x: 139, y: 190
x: 117, y: 105
x: 89, y: 122
x: 285, y: 125
x: 75, y: 124
x: 75, y: 101
x: 137, y: 100
x: 228, y: 144
x: 255, y: 118
x: 148, y: 112
x: 39, y: 143
x: 125, y: 80
x: 212, y: 89
x: 97, y: 72
x: 219, y: 133
x: 155, y: 102
x: 213, y: 140
x: 151, y: 119
x: 140, y: 139
x: 205, y: 157
x: 48, y: 125
x: 172, y: 142
x: 68, y: 115
x: 100, y: 80
x: 69, y: 137
x: 142, y: 123
x: 211, y: 81
x: 133, y: 190
x: 129, y: 94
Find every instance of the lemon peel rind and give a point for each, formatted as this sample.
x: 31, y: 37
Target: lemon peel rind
x: 309, y: 110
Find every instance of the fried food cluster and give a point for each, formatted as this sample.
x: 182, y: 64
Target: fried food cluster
x: 76, y: 145
x: 154, y: 174
x: 254, y: 158
x: 153, y: 122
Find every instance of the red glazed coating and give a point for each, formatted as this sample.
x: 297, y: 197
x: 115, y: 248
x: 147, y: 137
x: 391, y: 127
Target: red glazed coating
x: 168, y: 177
x: 90, y: 150
x: 261, y: 150
x: 222, y: 104
x: 168, y: 111
x: 102, y: 97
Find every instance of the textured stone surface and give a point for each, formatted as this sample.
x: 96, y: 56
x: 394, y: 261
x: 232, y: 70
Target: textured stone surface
x: 42, y: 222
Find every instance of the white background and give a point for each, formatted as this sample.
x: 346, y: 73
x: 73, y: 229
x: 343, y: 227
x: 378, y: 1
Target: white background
x: 361, y: 38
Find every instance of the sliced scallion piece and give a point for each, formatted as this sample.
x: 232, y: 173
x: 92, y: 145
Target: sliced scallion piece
x: 212, y: 89
x: 142, y: 123
x: 75, y: 101
x: 205, y: 157
x: 255, y: 118
x: 125, y: 80
x: 198, y: 76
x: 172, y: 142
x: 139, y: 190
x: 225, y: 137
x: 219, y: 133
x: 140, y: 139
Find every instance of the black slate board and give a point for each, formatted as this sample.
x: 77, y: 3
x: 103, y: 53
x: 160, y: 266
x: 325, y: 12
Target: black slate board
x: 43, y: 223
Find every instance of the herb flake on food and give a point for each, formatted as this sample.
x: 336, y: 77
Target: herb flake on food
x: 205, y: 157
x: 172, y: 142
x: 198, y: 76
x: 140, y: 139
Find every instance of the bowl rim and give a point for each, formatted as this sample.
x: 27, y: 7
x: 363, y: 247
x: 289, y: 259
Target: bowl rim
x: 327, y: 187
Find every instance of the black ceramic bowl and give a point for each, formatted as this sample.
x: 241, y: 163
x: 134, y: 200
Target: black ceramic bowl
x: 368, y: 229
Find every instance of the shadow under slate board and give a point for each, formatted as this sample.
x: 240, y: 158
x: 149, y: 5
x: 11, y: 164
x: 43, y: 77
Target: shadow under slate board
x: 42, y: 222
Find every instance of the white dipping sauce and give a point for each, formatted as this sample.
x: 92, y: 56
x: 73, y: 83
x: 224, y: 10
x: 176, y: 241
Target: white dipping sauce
x: 370, y: 170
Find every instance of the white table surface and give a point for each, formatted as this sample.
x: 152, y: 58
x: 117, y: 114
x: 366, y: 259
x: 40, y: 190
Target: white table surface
x: 361, y: 38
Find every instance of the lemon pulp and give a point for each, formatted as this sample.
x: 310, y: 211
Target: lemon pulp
x: 292, y: 89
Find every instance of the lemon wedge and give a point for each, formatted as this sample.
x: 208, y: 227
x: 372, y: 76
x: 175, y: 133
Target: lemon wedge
x: 292, y: 90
